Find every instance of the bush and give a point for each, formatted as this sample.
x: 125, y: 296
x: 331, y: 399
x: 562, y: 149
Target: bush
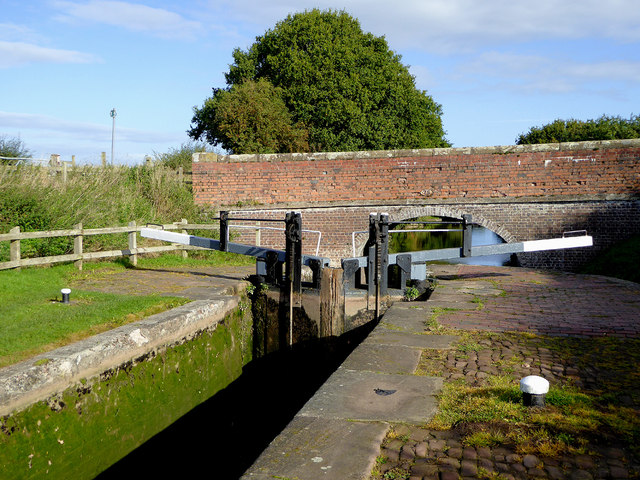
x: 35, y: 199
x: 603, y: 128
x: 179, y: 157
x: 12, y: 147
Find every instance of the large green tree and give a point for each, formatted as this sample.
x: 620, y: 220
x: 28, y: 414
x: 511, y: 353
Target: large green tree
x: 603, y: 128
x: 343, y: 88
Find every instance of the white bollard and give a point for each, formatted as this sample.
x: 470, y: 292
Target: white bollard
x: 533, y: 390
x: 65, y: 295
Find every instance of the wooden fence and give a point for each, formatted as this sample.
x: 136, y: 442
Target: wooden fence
x: 78, y: 233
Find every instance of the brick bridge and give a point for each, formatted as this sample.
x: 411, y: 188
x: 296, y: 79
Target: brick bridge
x: 525, y: 192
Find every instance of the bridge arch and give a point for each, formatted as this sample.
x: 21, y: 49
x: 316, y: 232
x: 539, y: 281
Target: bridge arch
x: 449, y: 211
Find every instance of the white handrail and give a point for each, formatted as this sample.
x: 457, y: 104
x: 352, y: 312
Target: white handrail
x: 257, y: 227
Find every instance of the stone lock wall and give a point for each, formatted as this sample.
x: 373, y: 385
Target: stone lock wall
x: 521, y: 192
x: 73, y: 412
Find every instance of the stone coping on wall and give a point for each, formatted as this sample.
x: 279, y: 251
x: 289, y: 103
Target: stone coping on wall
x: 434, y: 201
x: 38, y: 378
x: 200, y: 157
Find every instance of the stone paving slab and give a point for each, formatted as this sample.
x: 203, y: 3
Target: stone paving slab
x: 362, y: 395
x: 195, y: 283
x: 406, y: 319
x: 385, y: 336
x: 342, y: 426
x: 383, y: 358
x: 315, y: 448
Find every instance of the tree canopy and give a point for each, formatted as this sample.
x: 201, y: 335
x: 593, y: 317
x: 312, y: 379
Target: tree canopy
x: 603, y: 128
x: 250, y: 117
x: 317, y: 82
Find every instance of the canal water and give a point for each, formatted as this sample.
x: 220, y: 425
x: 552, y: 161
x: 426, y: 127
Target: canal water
x: 401, y: 240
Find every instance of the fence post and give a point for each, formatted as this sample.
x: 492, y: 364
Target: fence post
x: 77, y: 246
x: 103, y: 157
x: 14, y: 247
x: 133, y: 244
x: 180, y: 174
x: 185, y: 253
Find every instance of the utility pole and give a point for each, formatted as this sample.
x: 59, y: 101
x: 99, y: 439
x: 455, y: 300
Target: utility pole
x: 113, y: 131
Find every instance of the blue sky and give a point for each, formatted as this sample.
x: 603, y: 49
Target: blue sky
x: 497, y: 67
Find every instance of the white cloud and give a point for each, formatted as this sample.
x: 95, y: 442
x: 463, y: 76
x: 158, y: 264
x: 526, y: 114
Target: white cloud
x: 533, y: 73
x: 467, y: 25
x: 446, y: 26
x: 131, y: 16
x: 13, y: 54
x: 12, y: 31
x: 82, y: 130
x: 615, y: 70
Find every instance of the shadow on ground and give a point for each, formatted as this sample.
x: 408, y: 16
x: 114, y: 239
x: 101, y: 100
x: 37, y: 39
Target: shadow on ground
x: 225, y: 435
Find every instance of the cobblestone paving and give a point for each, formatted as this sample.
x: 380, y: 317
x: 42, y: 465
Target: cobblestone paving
x: 574, y: 310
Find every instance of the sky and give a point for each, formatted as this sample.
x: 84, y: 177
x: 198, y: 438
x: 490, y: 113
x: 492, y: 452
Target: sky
x: 497, y: 67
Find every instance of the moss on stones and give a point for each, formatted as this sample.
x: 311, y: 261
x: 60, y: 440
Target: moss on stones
x: 80, y: 432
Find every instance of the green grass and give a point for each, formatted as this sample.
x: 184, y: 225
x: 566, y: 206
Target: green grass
x: 211, y: 258
x: 35, y: 200
x: 33, y: 319
x: 491, y: 413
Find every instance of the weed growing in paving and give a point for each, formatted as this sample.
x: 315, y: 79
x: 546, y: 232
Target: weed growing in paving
x: 411, y: 293
x: 479, y: 303
x: 486, y: 474
x: 433, y: 326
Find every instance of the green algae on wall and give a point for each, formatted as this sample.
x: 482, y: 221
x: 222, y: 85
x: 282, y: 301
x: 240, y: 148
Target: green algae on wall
x: 90, y: 426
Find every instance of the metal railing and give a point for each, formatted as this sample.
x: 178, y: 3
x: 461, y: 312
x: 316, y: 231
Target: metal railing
x: 412, y: 265
x: 257, y: 227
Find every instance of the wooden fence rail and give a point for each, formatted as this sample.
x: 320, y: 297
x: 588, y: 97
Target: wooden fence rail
x: 78, y: 233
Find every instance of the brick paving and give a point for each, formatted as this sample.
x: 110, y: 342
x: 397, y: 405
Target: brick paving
x: 556, y: 308
x: 548, y: 303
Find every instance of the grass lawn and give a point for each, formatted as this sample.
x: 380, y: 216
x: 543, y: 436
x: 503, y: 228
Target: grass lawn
x: 33, y: 319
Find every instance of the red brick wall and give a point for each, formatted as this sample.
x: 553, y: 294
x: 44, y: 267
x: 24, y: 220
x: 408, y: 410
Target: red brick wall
x: 586, y: 168
x: 521, y: 193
